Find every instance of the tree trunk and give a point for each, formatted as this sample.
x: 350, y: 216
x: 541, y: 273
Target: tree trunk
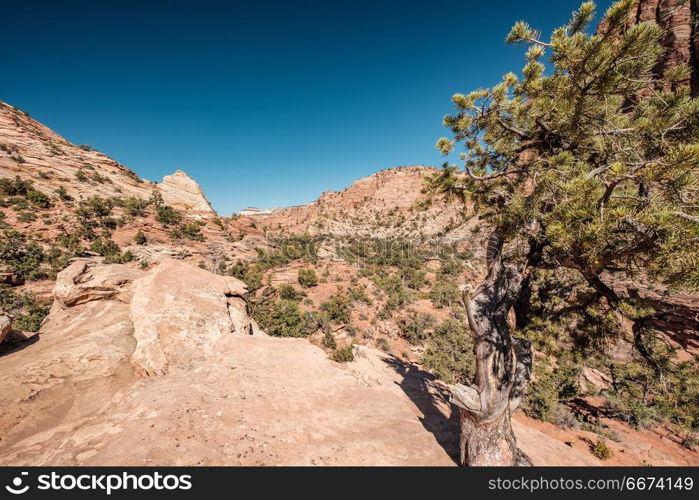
x: 503, y: 362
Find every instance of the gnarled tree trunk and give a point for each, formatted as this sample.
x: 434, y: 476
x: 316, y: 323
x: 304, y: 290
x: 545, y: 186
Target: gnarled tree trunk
x: 503, y: 362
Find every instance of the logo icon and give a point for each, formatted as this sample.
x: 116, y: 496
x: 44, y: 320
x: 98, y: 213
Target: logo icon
x: 16, y: 487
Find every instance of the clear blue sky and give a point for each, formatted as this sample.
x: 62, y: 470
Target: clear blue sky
x: 264, y: 103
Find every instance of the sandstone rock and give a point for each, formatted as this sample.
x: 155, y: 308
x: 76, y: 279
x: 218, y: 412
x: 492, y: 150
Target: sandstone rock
x: 179, y: 312
x: 5, y: 326
x: 181, y: 191
x: 681, y: 44
x: 86, y: 280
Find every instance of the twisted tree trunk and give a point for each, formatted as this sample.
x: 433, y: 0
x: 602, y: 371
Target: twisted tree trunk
x: 503, y: 362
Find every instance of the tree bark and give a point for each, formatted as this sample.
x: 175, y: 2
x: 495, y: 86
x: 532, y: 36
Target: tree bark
x: 503, y: 362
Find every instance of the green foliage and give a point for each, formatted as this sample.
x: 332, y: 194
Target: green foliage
x: 601, y: 450
x: 133, y: 207
x: 344, y: 355
x: 166, y: 215
x: 552, y: 387
x: 283, y: 318
x: 86, y: 147
x: 22, y: 257
x: 298, y: 247
x: 110, y: 250
x: 338, y: 308
x: 397, y: 295
x: 140, y: 238
x: 329, y: 341
x: 383, y: 344
x: 640, y: 398
x: 81, y: 175
x: 416, y: 326
x: 444, y: 292
x: 307, y: 278
x: 250, y: 274
x: 358, y: 294
x: 287, y: 292
x: 24, y: 189
x: 449, y: 354
x: 610, y: 186
x: 63, y: 194
x: 26, y: 311
x: 192, y: 231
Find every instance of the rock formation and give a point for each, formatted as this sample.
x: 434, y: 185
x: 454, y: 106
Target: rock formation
x: 677, y: 19
x: 181, y: 191
x: 33, y: 152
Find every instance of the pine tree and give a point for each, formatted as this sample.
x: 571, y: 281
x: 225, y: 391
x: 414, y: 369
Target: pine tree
x: 589, y: 164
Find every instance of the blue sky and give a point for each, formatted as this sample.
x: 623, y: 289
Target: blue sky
x: 263, y: 103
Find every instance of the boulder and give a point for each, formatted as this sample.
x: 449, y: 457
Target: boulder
x: 87, y: 280
x: 179, y: 311
x: 5, y: 326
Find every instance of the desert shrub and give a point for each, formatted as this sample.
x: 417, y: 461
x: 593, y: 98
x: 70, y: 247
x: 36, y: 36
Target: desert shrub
x: 81, y: 175
x: 283, y: 318
x: 382, y: 343
x: 248, y: 273
x: 110, y: 251
x: 288, y: 292
x: 192, y: 231
x: 641, y: 398
x: 140, y: 238
x: 86, y: 147
x: 297, y: 247
x: 358, y: 294
x: 416, y: 326
x: 63, y: 194
x: 26, y: 311
x: 329, y: 340
x: 552, y: 387
x: 338, y: 308
x: 167, y: 216
x: 413, y: 278
x: 344, y: 354
x: 38, y: 198
x: 449, y: 354
x: 134, y: 207
x: 307, y: 278
x: 26, y: 217
x: 601, y: 450
x: 444, y: 293
x: 24, y: 189
x: 397, y: 295
x: 22, y: 257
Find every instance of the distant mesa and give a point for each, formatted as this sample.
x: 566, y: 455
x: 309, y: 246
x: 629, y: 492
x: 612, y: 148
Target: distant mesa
x: 254, y: 211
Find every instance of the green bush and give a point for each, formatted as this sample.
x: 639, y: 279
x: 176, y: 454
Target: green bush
x: 338, y: 308
x: 283, y: 318
x: 601, y: 450
x: 444, y: 293
x: 416, y: 326
x: 140, y: 238
x: 287, y: 292
x: 26, y: 311
x: 250, y: 274
x: 21, y: 257
x: 329, y: 340
x: 552, y: 387
x: 307, y: 278
x: 24, y: 189
x: 192, y: 231
x: 167, y: 215
x: 449, y: 354
x: 344, y: 355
